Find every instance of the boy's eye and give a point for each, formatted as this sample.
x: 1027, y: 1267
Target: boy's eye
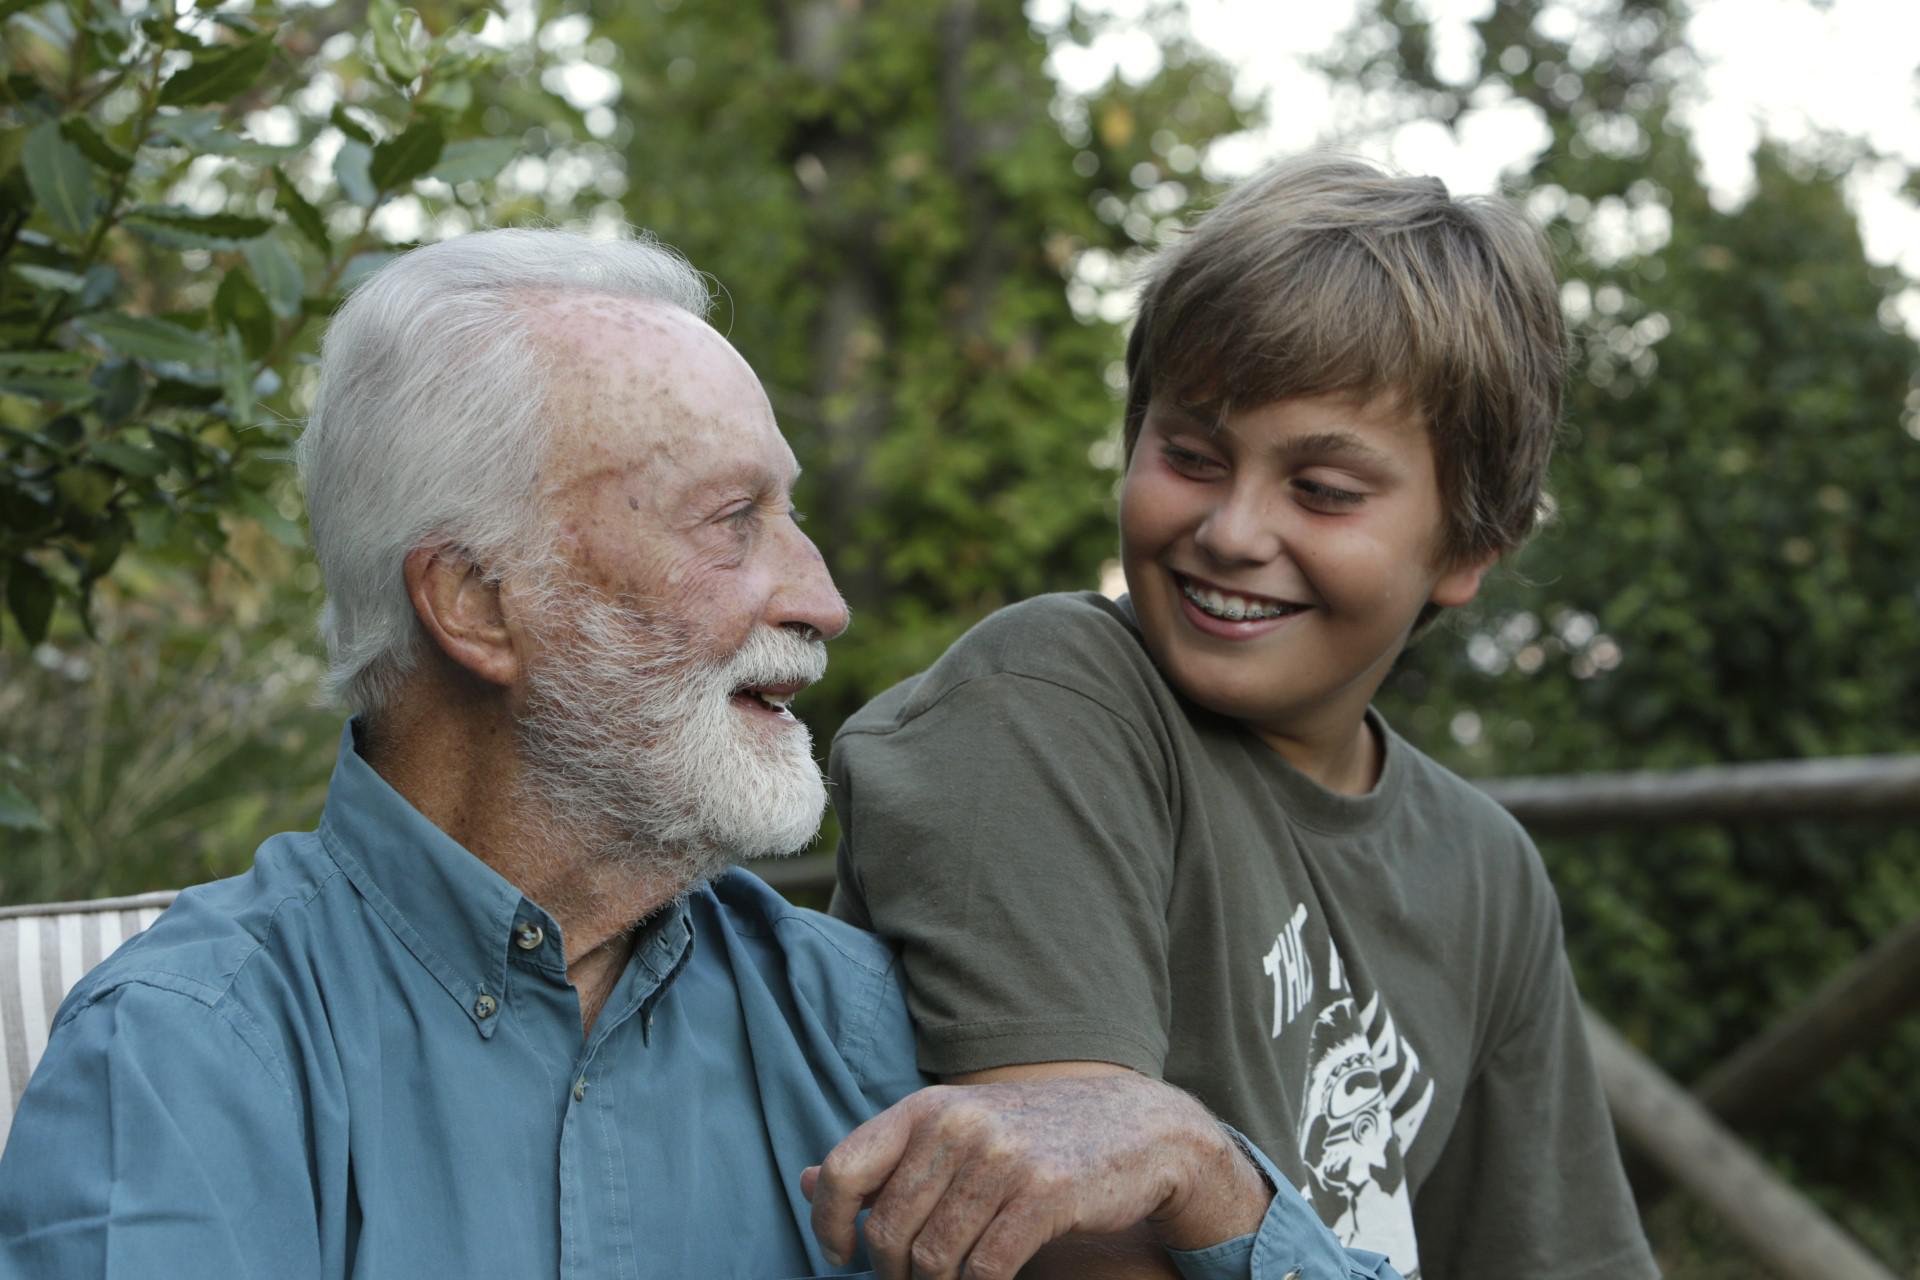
x: 1326, y: 495
x: 1188, y: 462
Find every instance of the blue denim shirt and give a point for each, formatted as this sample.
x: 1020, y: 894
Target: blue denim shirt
x: 363, y: 1058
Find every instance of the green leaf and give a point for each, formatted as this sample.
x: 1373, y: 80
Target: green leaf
x: 400, y: 160
x: 61, y: 178
x: 88, y: 488
x: 103, y: 282
x: 202, y: 230
x: 279, y: 275
x: 64, y: 388
x: 207, y: 130
x: 152, y: 526
x: 239, y: 305
x: 50, y: 277
x: 182, y: 451
x: 30, y: 597
x: 300, y: 212
x: 12, y: 143
x: 149, y: 339
x: 449, y: 93
x: 106, y: 548
x: 76, y: 130
x: 349, y: 126
x: 46, y: 361
x: 393, y: 32
x: 64, y: 432
x: 129, y: 459
x: 218, y: 74
x: 236, y: 379
x: 475, y: 159
x: 284, y: 531
x: 17, y: 813
x: 362, y: 265
x: 353, y: 169
x: 121, y: 388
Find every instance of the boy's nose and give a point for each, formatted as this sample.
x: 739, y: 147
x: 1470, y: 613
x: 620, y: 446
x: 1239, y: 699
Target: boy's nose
x: 1240, y: 529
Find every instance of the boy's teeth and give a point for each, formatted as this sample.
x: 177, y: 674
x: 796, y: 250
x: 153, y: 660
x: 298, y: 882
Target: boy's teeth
x: 1233, y: 608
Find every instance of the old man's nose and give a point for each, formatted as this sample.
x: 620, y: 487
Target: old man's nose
x: 809, y: 603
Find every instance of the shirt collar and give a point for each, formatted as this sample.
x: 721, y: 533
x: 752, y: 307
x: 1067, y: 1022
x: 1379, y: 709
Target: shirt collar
x: 455, y: 913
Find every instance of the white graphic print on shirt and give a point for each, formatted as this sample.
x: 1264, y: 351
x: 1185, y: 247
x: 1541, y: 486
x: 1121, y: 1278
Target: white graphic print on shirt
x: 1364, y: 1100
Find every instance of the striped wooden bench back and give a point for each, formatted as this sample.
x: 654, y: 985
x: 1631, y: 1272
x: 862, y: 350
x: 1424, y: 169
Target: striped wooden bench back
x: 44, y: 950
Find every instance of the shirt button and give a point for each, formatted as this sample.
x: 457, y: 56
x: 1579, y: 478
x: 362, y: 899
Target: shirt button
x: 485, y: 1007
x: 580, y: 1089
x: 528, y: 936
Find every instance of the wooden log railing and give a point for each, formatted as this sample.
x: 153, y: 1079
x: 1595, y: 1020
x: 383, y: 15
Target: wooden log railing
x: 1853, y: 789
x: 1683, y: 1133
x: 1781, y: 1227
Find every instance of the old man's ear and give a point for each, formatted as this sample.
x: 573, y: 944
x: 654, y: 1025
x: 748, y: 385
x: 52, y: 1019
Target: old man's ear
x: 458, y: 603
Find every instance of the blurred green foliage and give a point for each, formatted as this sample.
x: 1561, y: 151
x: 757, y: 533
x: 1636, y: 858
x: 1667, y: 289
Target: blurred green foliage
x: 186, y: 192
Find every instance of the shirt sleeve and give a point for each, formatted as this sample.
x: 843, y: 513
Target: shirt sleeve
x: 1013, y: 828
x: 153, y: 1142
x: 1291, y: 1242
x: 1530, y: 1182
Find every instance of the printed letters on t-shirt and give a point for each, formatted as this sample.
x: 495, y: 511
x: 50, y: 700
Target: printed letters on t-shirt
x: 1364, y: 1098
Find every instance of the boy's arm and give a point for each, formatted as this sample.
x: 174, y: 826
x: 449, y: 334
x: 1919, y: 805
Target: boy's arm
x: 1015, y: 843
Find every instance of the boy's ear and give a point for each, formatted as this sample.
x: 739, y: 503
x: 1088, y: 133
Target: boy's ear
x: 1460, y: 581
x: 459, y: 605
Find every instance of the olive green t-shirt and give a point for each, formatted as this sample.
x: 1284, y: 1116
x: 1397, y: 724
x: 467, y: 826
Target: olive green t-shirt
x: 1075, y: 863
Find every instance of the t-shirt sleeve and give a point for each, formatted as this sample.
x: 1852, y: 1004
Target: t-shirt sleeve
x: 1530, y: 1182
x: 1013, y: 840
x: 154, y: 1142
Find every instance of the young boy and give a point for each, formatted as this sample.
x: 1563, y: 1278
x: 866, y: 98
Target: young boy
x: 1168, y: 834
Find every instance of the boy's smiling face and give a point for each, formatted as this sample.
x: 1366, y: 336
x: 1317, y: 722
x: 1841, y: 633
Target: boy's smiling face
x: 1278, y: 564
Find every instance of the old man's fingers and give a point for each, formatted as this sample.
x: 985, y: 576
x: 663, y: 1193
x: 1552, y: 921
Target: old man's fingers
x: 972, y: 1180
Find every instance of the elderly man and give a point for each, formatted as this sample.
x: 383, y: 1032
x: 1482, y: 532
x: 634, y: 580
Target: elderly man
x: 507, y: 1011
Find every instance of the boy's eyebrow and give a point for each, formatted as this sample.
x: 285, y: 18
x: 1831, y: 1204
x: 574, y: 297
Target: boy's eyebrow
x: 1344, y: 444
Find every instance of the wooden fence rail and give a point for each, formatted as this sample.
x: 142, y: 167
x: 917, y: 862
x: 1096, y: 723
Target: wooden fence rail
x: 1783, y: 1229
x: 1854, y: 788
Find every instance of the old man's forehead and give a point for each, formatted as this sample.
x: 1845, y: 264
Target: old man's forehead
x: 648, y: 390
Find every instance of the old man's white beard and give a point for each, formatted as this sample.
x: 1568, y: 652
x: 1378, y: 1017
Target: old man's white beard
x: 635, y: 747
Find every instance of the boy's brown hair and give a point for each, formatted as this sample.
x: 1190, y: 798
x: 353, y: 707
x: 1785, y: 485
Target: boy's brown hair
x: 1325, y: 275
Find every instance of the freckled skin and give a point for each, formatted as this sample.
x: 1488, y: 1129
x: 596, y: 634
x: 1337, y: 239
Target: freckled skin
x: 669, y: 477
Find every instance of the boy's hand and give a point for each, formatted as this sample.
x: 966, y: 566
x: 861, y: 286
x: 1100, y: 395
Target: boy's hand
x: 972, y: 1180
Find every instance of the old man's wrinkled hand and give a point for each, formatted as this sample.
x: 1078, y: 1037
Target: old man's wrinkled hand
x: 970, y: 1181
